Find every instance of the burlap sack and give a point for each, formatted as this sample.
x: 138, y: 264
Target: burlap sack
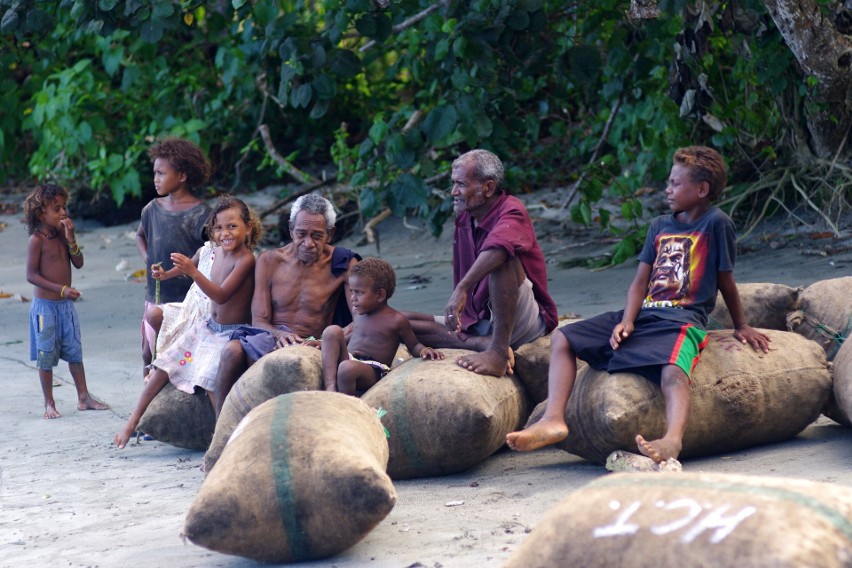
x: 688, y: 519
x: 739, y: 399
x: 532, y: 363
x: 443, y: 418
x: 841, y: 370
x: 283, y: 371
x: 180, y: 419
x: 765, y: 305
x: 302, y: 478
x: 825, y: 313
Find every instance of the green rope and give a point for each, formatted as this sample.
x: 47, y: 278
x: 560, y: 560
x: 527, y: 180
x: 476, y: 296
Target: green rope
x: 156, y: 302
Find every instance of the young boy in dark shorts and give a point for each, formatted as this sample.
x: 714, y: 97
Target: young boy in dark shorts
x: 54, y: 325
x: 687, y: 257
x: 355, y: 364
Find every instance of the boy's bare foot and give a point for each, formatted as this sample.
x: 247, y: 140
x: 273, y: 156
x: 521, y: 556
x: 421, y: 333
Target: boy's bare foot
x: 50, y: 411
x: 542, y: 433
x: 488, y: 362
x: 92, y: 404
x: 658, y: 450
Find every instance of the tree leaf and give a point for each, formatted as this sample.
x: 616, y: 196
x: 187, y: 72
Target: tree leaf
x: 440, y: 123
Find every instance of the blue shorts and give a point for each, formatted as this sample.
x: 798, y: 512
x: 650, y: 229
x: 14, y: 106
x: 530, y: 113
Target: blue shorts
x: 54, y: 333
x: 654, y: 343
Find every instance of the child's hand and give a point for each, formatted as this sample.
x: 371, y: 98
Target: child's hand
x: 70, y: 293
x: 757, y: 339
x: 311, y: 342
x: 68, y: 227
x: 184, y: 264
x: 619, y: 333
x: 157, y: 272
x: 431, y: 353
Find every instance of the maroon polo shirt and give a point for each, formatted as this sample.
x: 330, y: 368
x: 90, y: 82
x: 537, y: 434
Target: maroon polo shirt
x: 507, y: 226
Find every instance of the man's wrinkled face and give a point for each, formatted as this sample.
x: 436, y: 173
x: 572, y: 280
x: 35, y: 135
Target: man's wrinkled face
x: 468, y: 193
x: 310, y: 235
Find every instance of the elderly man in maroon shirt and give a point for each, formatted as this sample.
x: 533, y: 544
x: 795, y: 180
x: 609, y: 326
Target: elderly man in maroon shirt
x: 500, y: 298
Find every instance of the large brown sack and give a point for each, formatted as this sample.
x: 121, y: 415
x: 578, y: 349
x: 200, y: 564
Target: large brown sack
x: 180, y: 419
x: 689, y: 519
x: 285, y: 370
x: 825, y: 313
x: 739, y: 398
x: 302, y: 478
x: 443, y: 418
x: 532, y: 363
x: 765, y: 305
x: 841, y: 370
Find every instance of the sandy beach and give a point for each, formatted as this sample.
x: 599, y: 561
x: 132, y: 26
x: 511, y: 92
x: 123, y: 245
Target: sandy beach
x: 69, y: 498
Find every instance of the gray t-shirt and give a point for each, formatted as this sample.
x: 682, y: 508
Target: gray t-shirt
x: 168, y: 232
x: 685, y: 260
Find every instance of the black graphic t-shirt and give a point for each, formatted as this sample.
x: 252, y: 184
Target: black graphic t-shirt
x: 685, y: 260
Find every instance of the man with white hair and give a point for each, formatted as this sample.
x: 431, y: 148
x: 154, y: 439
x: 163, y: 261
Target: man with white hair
x: 299, y: 289
x: 500, y: 297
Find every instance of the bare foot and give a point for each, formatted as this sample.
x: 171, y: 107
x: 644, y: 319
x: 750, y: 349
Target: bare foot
x: 91, y: 404
x: 123, y: 437
x: 488, y: 362
x: 50, y: 411
x: 542, y: 433
x: 658, y: 450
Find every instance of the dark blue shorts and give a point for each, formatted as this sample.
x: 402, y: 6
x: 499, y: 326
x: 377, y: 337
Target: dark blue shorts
x: 54, y: 333
x: 654, y: 343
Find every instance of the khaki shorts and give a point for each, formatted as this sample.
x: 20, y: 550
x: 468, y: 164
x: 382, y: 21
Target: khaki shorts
x: 529, y: 325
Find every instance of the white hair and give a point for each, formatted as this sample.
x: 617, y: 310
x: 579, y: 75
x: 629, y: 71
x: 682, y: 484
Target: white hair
x: 315, y: 204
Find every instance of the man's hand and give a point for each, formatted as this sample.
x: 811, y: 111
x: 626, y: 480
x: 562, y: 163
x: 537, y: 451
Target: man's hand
x: 287, y: 338
x: 758, y: 340
x: 619, y: 333
x: 452, y: 313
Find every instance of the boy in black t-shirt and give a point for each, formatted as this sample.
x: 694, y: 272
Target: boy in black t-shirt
x: 687, y: 257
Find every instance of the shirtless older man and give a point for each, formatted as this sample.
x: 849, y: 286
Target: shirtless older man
x: 297, y: 290
x: 500, y: 297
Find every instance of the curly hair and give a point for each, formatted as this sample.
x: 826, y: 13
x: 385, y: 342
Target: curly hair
x: 254, y: 230
x: 704, y: 164
x: 38, y: 201
x: 185, y: 157
x: 380, y: 272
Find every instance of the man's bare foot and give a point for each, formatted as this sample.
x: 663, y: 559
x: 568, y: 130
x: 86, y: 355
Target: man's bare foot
x: 542, y: 433
x: 658, y: 450
x: 50, y: 411
x: 488, y: 362
x: 91, y: 404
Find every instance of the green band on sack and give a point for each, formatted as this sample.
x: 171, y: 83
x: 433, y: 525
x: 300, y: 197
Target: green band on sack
x: 300, y: 546
x: 831, y: 514
x: 399, y: 405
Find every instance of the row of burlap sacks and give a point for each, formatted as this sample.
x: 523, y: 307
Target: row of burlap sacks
x: 443, y: 419
x: 423, y: 398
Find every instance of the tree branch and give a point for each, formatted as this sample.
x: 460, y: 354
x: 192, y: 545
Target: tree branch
x: 292, y: 170
x: 405, y: 24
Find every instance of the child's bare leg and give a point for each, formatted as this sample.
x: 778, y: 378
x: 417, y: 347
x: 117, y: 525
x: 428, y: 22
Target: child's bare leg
x: 146, y: 358
x: 551, y: 429
x: 232, y: 364
x: 46, y: 378
x: 154, y: 385
x: 334, y: 353
x: 85, y: 401
x: 353, y: 376
x: 675, y: 386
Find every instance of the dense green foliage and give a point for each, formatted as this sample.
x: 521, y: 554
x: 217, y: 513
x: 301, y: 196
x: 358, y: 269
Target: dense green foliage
x: 566, y: 92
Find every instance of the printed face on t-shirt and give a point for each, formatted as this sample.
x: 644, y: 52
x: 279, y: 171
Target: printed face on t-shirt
x: 670, y: 275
